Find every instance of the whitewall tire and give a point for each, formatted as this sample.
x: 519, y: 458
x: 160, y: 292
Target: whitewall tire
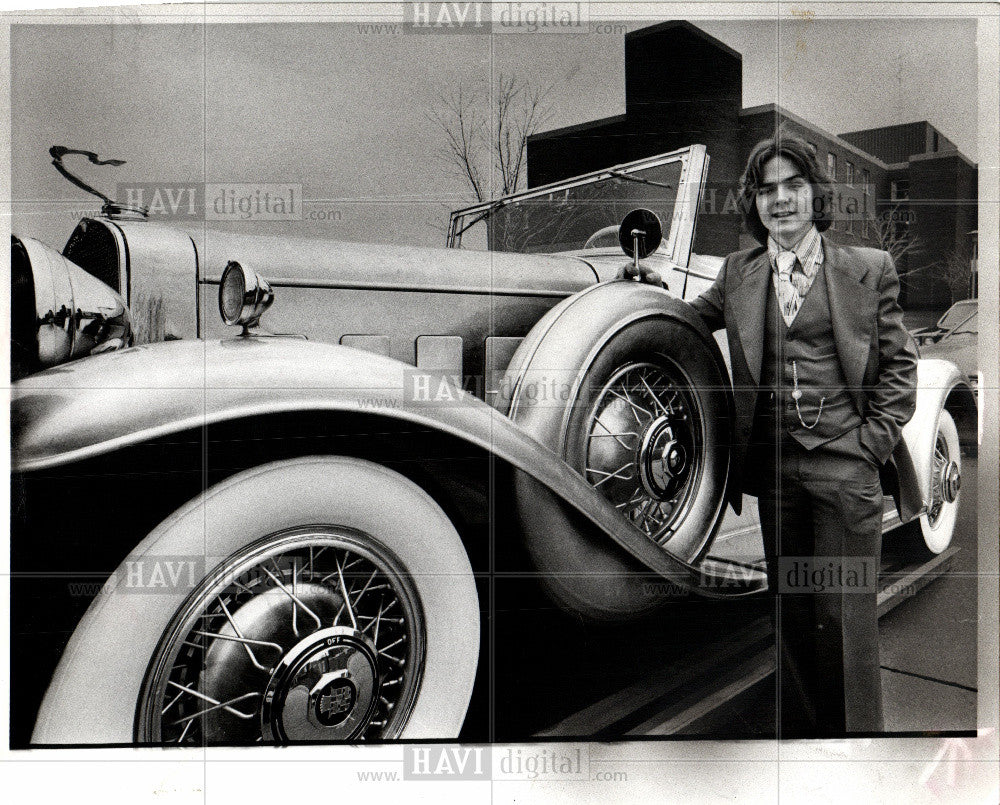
x: 333, y: 600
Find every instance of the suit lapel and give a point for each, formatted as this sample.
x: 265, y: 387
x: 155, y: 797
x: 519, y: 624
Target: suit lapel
x: 749, y: 303
x: 853, y: 310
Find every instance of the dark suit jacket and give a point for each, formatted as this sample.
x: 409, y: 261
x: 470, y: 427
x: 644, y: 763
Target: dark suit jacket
x: 876, y: 353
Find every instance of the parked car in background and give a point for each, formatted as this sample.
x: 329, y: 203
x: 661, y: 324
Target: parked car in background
x: 232, y: 536
x: 951, y: 318
x: 954, y: 338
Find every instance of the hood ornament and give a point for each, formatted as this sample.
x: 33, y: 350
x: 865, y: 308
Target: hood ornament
x: 110, y: 208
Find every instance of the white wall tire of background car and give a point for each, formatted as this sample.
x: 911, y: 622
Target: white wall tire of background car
x: 255, y: 534
x: 645, y: 419
x: 937, y: 525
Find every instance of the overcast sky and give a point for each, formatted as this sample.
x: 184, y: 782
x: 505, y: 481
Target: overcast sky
x: 345, y: 113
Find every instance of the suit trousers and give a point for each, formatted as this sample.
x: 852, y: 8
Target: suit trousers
x: 821, y: 518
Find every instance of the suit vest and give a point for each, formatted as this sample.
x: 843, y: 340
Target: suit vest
x: 806, y: 349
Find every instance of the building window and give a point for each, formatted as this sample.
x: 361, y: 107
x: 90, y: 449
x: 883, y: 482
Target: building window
x: 899, y: 190
x: 849, y: 167
x: 867, y: 205
x: 831, y: 166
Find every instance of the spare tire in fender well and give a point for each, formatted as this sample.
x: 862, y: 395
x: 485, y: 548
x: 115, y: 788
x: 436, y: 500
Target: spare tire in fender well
x: 625, y: 383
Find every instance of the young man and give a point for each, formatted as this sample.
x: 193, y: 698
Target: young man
x: 824, y: 377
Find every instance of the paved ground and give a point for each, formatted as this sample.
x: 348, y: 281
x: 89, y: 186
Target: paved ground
x: 927, y: 651
x: 929, y: 642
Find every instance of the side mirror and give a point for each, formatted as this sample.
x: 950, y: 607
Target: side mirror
x: 640, y: 234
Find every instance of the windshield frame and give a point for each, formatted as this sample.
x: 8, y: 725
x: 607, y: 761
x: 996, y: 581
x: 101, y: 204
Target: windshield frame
x: 957, y: 329
x: 676, y: 246
x: 973, y: 308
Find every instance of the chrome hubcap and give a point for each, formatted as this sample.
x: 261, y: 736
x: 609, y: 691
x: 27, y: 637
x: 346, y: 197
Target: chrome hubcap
x: 952, y: 482
x: 314, y: 634
x: 325, y: 688
x: 662, y: 460
x: 946, y: 481
x: 644, y: 445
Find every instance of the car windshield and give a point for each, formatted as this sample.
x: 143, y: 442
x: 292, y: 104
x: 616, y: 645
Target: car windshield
x: 566, y: 216
x: 970, y: 325
x: 956, y: 313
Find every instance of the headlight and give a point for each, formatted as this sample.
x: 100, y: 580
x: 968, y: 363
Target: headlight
x: 243, y: 296
x: 58, y: 311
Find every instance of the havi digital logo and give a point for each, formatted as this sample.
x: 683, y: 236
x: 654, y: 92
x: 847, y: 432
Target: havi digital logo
x: 447, y: 763
x: 527, y: 17
x: 438, y: 18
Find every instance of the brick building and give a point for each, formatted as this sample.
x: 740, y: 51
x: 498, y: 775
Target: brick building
x: 904, y: 186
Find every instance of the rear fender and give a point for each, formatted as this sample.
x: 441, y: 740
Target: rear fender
x: 939, y: 385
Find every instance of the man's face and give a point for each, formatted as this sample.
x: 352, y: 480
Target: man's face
x: 784, y: 201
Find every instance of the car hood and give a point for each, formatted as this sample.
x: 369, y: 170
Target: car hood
x: 304, y: 261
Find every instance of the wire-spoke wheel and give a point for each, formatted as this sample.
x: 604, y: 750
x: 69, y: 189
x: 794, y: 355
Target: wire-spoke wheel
x: 628, y: 388
x: 645, y: 445
x: 308, y: 636
x: 649, y: 430
x: 333, y: 601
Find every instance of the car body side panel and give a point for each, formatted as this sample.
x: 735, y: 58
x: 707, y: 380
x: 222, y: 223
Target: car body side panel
x: 80, y: 410
x: 396, y: 319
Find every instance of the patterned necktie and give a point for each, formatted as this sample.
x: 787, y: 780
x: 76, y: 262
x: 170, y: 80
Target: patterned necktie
x: 788, y: 292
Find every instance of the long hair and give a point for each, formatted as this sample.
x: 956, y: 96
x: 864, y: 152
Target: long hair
x: 800, y: 154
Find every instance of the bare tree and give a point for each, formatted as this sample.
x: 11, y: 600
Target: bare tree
x: 462, y: 122
x: 486, y: 138
x: 956, y: 271
x: 893, y: 235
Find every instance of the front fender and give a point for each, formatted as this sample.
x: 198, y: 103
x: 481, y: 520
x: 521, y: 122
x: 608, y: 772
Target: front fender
x: 101, y: 404
x: 940, y: 384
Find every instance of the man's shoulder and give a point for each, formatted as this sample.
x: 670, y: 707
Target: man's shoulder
x: 860, y: 254
x: 744, y: 256
x: 869, y: 261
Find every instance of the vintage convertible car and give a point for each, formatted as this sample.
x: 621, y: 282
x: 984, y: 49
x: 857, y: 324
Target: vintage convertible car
x: 249, y: 536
